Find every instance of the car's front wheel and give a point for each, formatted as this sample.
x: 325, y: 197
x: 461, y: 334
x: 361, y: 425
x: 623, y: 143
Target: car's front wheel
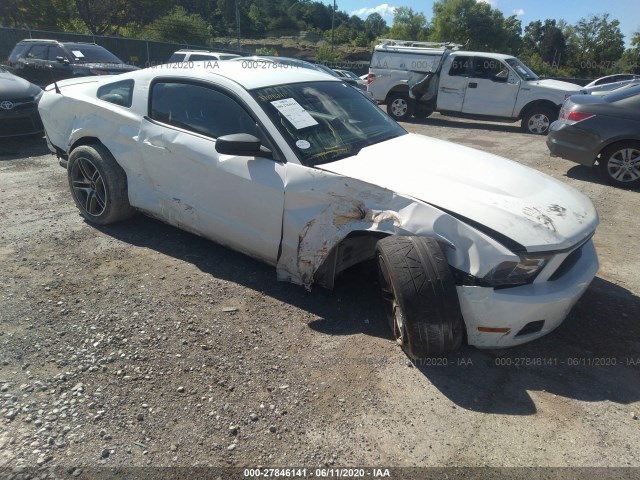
x: 538, y: 120
x: 400, y: 106
x: 620, y: 164
x: 420, y: 296
x: 98, y: 185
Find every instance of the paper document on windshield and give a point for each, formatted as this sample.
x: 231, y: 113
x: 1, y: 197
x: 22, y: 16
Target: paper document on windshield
x: 294, y: 112
x: 77, y: 53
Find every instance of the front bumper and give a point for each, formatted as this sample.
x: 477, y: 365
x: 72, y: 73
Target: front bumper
x: 543, y: 305
x: 23, y: 119
x: 573, y: 143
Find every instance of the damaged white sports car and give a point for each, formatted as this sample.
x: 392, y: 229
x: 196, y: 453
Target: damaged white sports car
x: 303, y: 172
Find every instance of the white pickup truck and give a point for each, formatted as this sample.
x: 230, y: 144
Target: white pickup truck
x: 418, y: 78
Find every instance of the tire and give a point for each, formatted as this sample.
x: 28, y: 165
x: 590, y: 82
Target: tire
x: 98, y: 185
x: 537, y: 120
x: 420, y: 296
x: 400, y: 106
x: 422, y: 111
x: 620, y: 164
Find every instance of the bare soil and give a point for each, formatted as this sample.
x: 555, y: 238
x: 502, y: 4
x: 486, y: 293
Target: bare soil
x: 140, y: 345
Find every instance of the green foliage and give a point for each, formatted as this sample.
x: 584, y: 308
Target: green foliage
x: 409, y: 25
x: 595, y: 46
x: 179, y: 26
x: 325, y: 55
x: 476, y: 25
x: 375, y: 26
x: 630, y: 61
x: 267, y: 51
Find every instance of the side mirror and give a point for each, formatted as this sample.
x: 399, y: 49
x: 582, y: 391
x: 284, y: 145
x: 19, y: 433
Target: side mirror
x: 242, y: 144
x: 62, y: 60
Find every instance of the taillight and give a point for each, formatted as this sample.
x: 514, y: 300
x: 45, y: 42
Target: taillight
x: 371, y: 77
x: 573, y: 117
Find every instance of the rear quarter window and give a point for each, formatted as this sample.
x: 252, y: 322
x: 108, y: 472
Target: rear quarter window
x: 199, y: 57
x: 118, y: 93
x: 176, y: 57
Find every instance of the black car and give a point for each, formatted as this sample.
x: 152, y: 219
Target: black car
x: 600, y: 128
x: 46, y: 61
x: 18, y: 106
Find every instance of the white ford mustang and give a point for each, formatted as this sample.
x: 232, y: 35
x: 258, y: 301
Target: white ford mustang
x: 301, y: 171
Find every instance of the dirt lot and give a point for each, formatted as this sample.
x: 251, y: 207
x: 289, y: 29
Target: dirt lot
x: 141, y: 345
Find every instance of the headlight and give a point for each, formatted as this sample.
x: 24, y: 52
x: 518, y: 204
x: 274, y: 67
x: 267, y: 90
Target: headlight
x: 517, y: 273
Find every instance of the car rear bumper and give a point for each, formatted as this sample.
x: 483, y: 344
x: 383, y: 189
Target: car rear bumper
x: 573, y: 143
x: 528, y: 311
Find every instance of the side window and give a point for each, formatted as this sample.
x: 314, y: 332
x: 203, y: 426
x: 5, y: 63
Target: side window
x: 489, y: 68
x: 460, y: 66
x: 38, y: 52
x: 120, y: 93
x: 176, y: 57
x: 199, y: 57
x: 200, y: 109
x: 54, y: 52
x: 18, y: 52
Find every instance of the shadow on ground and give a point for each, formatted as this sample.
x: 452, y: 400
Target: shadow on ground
x: 453, y: 122
x: 587, y: 174
x: 593, y: 356
x: 17, y: 148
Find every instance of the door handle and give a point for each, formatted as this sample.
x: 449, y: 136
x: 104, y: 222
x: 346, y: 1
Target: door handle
x: 473, y: 85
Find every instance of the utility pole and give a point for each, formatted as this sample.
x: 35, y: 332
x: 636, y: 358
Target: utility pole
x: 238, y: 23
x: 333, y: 16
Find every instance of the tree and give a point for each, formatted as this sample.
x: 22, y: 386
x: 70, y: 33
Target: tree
x: 409, y: 25
x: 375, y: 26
x: 475, y: 24
x: 595, y: 45
x: 181, y: 27
x: 630, y: 62
x: 544, y: 46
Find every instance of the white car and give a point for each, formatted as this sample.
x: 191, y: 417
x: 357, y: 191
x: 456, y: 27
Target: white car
x: 301, y: 171
x: 602, y: 86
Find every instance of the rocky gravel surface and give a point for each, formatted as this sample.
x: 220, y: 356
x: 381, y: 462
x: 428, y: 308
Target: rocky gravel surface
x: 138, y: 345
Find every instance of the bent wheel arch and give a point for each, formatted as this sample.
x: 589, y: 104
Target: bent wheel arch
x: 98, y: 185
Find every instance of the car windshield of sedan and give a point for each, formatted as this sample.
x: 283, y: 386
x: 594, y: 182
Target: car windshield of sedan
x: 325, y: 121
x: 91, y: 54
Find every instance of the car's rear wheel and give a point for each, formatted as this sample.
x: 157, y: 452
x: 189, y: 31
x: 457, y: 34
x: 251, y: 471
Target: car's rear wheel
x: 400, y: 106
x: 620, y: 164
x: 98, y: 185
x: 420, y: 296
x: 537, y: 120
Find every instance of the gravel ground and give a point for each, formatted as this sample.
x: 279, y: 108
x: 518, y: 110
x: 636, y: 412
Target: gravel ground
x: 141, y: 345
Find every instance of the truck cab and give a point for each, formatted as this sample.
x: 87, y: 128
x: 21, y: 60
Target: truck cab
x: 482, y: 85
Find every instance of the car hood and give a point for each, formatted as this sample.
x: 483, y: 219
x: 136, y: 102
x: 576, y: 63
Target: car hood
x: 12, y: 86
x: 483, y: 190
x: 557, y: 85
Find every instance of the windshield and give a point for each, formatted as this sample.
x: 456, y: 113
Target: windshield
x: 521, y: 69
x: 325, y: 121
x: 91, y: 54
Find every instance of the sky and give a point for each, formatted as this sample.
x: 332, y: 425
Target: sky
x: 625, y: 11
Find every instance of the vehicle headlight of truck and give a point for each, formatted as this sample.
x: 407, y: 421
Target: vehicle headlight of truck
x: 517, y: 273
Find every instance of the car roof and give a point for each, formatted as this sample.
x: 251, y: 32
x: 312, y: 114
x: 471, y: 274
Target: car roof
x: 48, y: 40
x: 243, y: 74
